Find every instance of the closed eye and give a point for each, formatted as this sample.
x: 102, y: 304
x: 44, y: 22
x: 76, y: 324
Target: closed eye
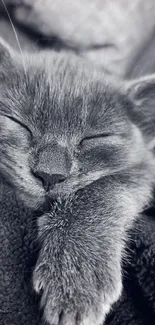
x: 96, y: 136
x: 18, y: 122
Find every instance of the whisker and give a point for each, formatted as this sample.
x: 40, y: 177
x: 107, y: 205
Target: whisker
x: 16, y: 36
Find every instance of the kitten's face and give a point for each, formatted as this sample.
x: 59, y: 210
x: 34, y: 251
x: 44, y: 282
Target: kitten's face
x: 61, y: 129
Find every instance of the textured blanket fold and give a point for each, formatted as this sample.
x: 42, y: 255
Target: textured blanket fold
x: 18, y: 303
x: 137, y: 304
x: 17, y: 257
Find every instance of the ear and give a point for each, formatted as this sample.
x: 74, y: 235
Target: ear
x: 6, y: 54
x: 141, y: 93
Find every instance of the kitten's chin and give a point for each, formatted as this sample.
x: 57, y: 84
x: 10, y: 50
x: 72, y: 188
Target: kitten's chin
x: 62, y: 191
x: 67, y: 188
x: 56, y: 193
x: 41, y: 200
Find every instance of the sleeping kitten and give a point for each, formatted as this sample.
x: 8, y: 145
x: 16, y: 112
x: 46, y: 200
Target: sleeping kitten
x: 83, y: 149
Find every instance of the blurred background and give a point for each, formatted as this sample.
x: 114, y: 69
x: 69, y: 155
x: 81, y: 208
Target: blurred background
x: 116, y: 35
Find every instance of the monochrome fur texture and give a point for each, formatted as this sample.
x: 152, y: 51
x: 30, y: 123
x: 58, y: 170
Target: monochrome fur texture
x: 82, y: 150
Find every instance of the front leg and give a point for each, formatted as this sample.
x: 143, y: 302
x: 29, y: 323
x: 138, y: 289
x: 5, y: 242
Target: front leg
x: 78, y: 271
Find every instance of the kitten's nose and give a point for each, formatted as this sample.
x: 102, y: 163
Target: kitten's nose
x: 50, y: 180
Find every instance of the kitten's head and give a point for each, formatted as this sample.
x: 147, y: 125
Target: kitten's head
x: 63, y: 127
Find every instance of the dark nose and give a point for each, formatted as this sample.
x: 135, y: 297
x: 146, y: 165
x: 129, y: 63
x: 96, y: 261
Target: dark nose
x: 49, y: 180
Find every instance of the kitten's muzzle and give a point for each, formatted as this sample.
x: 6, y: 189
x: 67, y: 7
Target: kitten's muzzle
x: 52, y: 167
x: 50, y: 180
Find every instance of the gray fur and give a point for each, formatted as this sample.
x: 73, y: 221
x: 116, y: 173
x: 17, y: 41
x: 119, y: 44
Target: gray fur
x: 58, y: 116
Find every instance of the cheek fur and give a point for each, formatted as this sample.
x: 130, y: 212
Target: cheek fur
x: 14, y: 135
x: 14, y: 165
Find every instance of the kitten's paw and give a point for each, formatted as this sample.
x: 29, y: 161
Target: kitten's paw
x: 74, y: 304
x: 95, y: 315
